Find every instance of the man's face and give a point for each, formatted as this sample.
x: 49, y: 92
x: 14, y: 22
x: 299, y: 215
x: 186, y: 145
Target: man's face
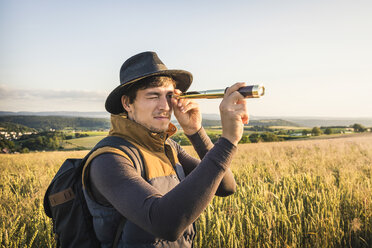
x: 152, y: 108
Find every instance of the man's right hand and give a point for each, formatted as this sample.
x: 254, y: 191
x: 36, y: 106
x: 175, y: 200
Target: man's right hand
x: 234, y: 114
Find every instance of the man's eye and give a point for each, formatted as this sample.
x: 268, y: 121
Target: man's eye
x: 153, y: 97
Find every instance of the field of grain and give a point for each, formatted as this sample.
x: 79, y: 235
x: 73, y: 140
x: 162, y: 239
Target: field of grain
x: 85, y: 142
x: 289, y: 127
x: 313, y: 193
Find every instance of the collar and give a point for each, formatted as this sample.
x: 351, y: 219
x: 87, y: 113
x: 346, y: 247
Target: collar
x: 137, y: 134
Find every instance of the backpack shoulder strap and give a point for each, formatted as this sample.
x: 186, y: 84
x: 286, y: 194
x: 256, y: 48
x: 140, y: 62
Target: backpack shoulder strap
x: 130, y: 149
x: 116, y: 145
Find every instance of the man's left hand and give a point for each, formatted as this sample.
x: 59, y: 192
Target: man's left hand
x: 187, y: 113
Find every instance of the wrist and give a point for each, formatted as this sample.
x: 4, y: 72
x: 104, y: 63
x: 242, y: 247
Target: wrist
x: 231, y: 139
x: 191, y: 131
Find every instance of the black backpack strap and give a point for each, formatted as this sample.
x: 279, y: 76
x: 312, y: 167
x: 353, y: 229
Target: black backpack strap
x: 119, y: 230
x: 131, y: 151
x: 123, y: 145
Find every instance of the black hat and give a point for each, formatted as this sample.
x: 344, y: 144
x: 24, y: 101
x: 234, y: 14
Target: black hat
x: 141, y: 66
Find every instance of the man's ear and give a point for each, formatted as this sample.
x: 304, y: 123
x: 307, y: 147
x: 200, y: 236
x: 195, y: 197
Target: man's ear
x: 125, y: 103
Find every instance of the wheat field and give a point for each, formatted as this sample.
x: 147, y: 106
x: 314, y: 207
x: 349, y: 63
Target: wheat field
x: 314, y: 193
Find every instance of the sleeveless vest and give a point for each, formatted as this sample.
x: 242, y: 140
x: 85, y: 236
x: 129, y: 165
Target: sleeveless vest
x: 161, y: 169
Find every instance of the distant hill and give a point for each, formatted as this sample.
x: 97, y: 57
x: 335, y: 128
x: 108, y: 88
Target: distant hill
x: 326, y: 122
x: 208, y: 119
x: 58, y: 113
x: 42, y: 123
x: 14, y: 127
x: 264, y: 123
x: 209, y: 123
x: 83, y: 123
x: 306, y: 121
x: 272, y: 122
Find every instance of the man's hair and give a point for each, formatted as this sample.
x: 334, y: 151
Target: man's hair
x: 150, y: 82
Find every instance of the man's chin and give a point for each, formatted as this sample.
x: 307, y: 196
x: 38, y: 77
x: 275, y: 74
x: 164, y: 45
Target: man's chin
x: 159, y: 128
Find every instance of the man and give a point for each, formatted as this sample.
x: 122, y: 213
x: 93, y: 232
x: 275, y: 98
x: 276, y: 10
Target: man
x: 160, y: 206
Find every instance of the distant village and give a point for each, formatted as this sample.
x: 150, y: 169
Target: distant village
x: 14, y: 135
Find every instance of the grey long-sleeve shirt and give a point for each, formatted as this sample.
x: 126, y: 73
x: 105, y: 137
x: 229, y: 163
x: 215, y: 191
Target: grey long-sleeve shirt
x: 165, y: 216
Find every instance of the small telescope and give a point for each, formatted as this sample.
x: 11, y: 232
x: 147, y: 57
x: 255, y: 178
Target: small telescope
x: 251, y: 91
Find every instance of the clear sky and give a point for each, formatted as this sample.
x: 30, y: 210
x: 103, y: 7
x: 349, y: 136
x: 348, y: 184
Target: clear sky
x: 314, y: 57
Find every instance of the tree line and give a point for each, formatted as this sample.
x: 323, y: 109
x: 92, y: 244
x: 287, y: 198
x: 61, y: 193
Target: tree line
x: 46, y: 123
x: 181, y: 138
x: 14, y: 127
x: 43, y: 141
x: 48, y: 141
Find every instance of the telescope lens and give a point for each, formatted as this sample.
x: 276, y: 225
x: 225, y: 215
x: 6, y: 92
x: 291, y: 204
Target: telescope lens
x: 261, y: 91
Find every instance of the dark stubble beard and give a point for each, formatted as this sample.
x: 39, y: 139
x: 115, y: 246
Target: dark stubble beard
x: 157, y: 130
x: 154, y: 129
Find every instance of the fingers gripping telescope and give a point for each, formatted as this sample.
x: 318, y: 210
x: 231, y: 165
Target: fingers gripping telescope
x: 251, y: 91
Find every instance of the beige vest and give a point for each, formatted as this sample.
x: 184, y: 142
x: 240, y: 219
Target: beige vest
x: 162, y: 170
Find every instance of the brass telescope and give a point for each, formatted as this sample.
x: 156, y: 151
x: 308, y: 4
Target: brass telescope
x: 251, y: 91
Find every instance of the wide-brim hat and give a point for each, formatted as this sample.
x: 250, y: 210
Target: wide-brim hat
x: 141, y: 66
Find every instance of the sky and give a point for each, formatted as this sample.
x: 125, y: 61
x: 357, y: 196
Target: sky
x: 313, y: 57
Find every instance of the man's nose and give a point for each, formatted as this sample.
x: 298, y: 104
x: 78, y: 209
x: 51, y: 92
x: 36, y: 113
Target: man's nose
x: 164, y: 103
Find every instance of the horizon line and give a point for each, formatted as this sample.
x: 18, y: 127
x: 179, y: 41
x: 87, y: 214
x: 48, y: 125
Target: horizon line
x: 263, y: 116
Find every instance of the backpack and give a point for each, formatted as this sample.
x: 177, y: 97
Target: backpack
x: 65, y: 203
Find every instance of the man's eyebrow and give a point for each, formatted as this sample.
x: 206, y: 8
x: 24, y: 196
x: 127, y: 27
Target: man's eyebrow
x: 152, y: 93
x: 157, y: 93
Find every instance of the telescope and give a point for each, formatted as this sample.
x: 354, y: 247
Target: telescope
x: 251, y: 91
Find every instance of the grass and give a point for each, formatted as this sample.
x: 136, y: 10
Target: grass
x: 95, y: 133
x: 23, y: 182
x: 82, y: 143
x: 289, y: 127
x: 295, y: 194
x: 90, y: 133
x: 311, y: 193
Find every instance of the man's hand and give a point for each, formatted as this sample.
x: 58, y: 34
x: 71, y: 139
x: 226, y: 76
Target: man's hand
x: 234, y: 114
x: 187, y: 113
